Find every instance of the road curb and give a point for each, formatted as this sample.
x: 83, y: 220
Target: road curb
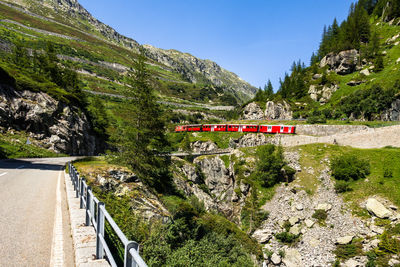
x: 84, y: 237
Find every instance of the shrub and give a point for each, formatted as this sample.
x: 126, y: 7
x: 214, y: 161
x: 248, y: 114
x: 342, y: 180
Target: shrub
x: 387, y: 173
x: 348, y: 167
x: 286, y: 237
x: 342, y: 186
x: 349, y: 250
x: 320, y: 215
x: 316, y: 119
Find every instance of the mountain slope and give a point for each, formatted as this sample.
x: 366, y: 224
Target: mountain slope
x: 92, y: 41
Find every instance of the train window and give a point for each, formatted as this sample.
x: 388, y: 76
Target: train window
x: 281, y: 128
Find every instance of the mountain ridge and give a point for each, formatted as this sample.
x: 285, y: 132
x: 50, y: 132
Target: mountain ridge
x: 191, y: 68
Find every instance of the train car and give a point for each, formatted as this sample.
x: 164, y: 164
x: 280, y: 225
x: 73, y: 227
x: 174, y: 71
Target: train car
x: 180, y: 128
x: 234, y: 128
x: 250, y: 128
x: 214, y: 127
x: 194, y: 128
x: 284, y: 129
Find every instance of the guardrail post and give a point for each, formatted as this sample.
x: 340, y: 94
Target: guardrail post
x: 128, y: 260
x: 91, y: 208
x: 87, y: 223
x: 77, y: 186
x: 81, y: 194
x: 100, y: 231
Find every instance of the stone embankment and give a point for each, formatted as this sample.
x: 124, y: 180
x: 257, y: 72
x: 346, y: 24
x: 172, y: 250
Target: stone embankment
x: 354, y: 136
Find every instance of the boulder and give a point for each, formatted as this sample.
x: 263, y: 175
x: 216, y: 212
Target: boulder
x: 262, y: 235
x: 342, y: 63
x: 309, y: 223
x: 365, y: 72
x: 352, y: 263
x: 294, y: 230
x: 344, y: 240
x: 377, y: 209
x: 253, y: 112
x: 200, y: 146
x: 276, y: 259
x: 324, y: 207
x: 292, y: 258
x: 392, y: 113
x: 294, y: 220
x: 278, y: 111
x: 355, y: 83
x: 317, y: 76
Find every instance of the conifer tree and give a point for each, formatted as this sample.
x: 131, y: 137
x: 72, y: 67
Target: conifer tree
x: 141, y: 140
x: 269, y: 89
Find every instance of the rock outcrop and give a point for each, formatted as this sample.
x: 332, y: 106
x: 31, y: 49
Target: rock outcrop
x: 278, y: 111
x: 253, y: 112
x: 343, y: 63
x: 393, y: 113
x: 57, y: 126
x: 322, y: 94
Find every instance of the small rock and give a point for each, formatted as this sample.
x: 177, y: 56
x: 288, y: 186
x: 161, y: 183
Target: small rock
x: 365, y: 72
x: 294, y: 230
x: 276, y: 259
x: 317, y: 76
x: 374, y: 243
x: 324, y: 206
x: 355, y: 83
x: 377, y: 209
x: 309, y: 223
x: 398, y: 60
x: 377, y: 229
x: 393, y: 207
x: 299, y: 207
x: 314, y: 242
x: 352, y: 263
x: 294, y: 220
x: 393, y: 262
x: 344, y: 240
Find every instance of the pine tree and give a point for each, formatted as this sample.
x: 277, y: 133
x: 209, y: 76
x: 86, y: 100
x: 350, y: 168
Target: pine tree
x: 142, y: 139
x: 269, y: 89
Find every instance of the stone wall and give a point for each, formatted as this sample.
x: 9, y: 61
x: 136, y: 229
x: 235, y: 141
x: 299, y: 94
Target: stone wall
x: 325, y: 130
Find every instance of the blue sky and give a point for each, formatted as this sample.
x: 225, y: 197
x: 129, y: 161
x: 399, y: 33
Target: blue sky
x: 256, y: 39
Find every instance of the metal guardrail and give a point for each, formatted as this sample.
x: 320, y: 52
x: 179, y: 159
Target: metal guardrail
x: 97, y: 215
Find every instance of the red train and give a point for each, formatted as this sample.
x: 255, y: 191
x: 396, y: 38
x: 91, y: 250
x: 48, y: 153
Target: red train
x: 248, y: 128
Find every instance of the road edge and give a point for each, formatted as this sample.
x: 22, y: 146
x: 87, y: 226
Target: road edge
x: 84, y: 237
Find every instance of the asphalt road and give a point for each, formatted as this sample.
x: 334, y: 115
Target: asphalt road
x: 28, y: 204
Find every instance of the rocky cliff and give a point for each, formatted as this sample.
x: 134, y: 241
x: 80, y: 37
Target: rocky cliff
x: 273, y: 111
x: 57, y: 126
x: 204, y: 71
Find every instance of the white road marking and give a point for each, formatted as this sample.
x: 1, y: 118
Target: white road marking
x: 57, y: 248
x: 20, y: 167
x: 4, y: 173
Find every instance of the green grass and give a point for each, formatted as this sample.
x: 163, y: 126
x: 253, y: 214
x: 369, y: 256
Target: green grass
x: 14, y: 146
x: 374, y: 184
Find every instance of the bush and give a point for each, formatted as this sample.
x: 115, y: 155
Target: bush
x: 387, y: 173
x: 286, y: 237
x: 316, y: 119
x: 349, y: 250
x: 342, y: 186
x: 348, y: 167
x: 320, y: 215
